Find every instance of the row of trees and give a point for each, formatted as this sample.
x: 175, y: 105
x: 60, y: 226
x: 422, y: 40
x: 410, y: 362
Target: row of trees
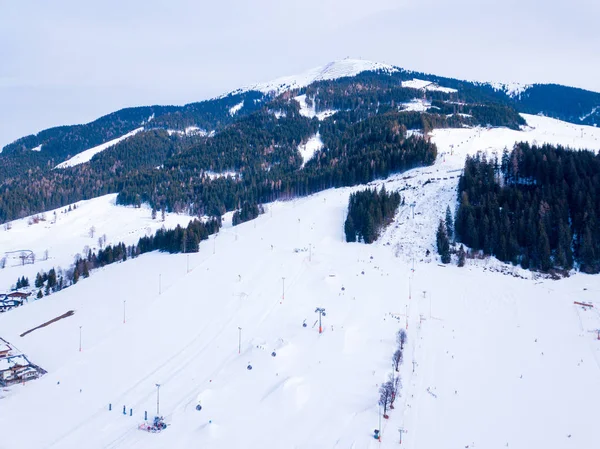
x: 389, y: 390
x: 538, y: 207
x: 22, y: 282
x: 369, y: 211
x: 176, y: 240
x: 247, y: 212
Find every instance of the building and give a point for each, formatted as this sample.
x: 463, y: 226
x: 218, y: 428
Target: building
x: 10, y: 303
x: 15, y: 369
x: 4, y: 349
x: 18, y: 295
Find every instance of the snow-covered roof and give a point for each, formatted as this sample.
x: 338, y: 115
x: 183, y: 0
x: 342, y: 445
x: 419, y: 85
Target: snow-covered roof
x: 7, y: 363
x: 4, y: 347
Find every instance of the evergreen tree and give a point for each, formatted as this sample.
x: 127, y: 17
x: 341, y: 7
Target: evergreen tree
x: 51, y: 278
x: 39, y: 282
x: 349, y: 229
x: 443, y: 245
x: 449, y: 223
x: 40, y: 294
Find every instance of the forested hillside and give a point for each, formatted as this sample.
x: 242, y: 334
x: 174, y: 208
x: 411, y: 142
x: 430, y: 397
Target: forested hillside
x: 216, y: 155
x: 538, y: 207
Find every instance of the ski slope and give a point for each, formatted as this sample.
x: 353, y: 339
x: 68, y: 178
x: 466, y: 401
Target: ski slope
x: 67, y: 233
x: 87, y: 155
x: 499, y: 357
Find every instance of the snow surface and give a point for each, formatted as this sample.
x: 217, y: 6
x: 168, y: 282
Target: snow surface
x: 427, y: 85
x: 592, y: 112
x: 86, y: 155
x: 38, y: 148
x: 234, y: 109
x: 310, y: 112
x: 492, y: 359
x: 191, y: 131
x: 310, y: 147
x: 333, y: 70
x: 225, y: 174
x: 539, y: 130
x: 512, y: 89
x: 69, y: 234
x: 416, y: 104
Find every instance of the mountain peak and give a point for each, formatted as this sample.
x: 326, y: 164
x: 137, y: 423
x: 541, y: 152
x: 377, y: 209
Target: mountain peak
x: 332, y: 70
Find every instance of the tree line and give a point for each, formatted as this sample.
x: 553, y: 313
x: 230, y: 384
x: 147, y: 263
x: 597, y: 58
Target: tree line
x: 539, y: 206
x: 369, y: 212
x: 177, y: 240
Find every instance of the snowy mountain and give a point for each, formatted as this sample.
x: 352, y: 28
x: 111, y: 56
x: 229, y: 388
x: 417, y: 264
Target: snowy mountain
x: 495, y: 355
x: 331, y: 71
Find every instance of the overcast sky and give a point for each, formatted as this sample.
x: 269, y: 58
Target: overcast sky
x: 71, y: 61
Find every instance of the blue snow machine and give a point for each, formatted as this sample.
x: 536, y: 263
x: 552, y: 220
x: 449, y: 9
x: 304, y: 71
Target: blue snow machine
x: 158, y: 425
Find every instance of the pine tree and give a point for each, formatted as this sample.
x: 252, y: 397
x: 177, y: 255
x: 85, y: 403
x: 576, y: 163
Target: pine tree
x: 443, y: 245
x: 544, y: 249
x: 86, y: 271
x: 39, y: 282
x: 40, y: 294
x: 51, y: 278
x: 449, y: 223
x: 350, y: 230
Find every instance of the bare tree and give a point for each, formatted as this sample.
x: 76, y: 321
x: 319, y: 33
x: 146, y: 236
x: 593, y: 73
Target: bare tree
x: 23, y: 257
x: 385, y: 397
x: 46, y: 255
x: 100, y: 242
x: 395, y: 384
x: 401, y: 338
x: 92, y: 231
x: 397, y: 359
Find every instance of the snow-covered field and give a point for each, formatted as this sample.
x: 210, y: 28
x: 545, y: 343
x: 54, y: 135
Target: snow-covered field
x: 310, y: 112
x: 310, y: 147
x: 427, y: 85
x: 65, y: 234
x: 87, y: 155
x: 492, y: 360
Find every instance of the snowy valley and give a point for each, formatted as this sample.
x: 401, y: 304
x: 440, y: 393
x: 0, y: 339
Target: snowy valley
x: 496, y: 356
